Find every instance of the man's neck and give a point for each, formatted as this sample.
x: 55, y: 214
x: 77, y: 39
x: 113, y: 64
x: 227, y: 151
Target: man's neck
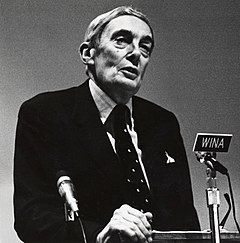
x: 118, y: 96
x: 103, y: 102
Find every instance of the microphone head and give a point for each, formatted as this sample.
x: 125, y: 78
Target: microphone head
x: 66, y: 189
x: 200, y: 156
x: 63, y: 179
x: 64, y: 183
x: 210, y: 160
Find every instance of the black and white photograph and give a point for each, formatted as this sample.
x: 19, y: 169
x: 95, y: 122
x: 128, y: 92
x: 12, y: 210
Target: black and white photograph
x: 119, y: 121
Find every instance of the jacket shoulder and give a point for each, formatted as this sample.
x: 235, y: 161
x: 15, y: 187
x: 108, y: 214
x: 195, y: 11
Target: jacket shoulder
x: 49, y: 103
x: 153, y: 111
x: 50, y: 97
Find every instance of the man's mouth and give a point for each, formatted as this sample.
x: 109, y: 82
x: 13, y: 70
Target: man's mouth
x: 130, y: 72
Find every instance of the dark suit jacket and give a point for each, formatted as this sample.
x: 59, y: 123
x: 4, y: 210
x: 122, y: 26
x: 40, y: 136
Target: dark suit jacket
x: 62, y: 130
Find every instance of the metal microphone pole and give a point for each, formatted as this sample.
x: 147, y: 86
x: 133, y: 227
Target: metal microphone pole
x: 213, y: 202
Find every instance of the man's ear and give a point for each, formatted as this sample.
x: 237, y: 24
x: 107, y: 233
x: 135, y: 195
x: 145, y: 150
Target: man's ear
x: 86, y: 53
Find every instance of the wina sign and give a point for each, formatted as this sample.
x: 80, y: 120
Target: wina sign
x: 211, y: 142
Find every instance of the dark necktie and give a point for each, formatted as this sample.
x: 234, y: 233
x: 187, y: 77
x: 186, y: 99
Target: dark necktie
x: 137, y: 191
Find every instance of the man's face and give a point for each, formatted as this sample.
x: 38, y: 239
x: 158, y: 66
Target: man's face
x: 122, y: 57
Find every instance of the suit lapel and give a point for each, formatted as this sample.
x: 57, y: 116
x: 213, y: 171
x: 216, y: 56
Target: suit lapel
x: 150, y: 136
x: 92, y: 134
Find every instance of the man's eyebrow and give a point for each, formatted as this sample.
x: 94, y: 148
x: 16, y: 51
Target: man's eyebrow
x: 146, y: 38
x: 121, y: 32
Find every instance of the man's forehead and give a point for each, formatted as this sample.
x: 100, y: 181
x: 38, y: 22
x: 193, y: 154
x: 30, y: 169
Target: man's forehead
x: 129, y: 23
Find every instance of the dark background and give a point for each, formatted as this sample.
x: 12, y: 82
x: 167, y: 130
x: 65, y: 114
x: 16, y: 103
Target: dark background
x: 194, y: 72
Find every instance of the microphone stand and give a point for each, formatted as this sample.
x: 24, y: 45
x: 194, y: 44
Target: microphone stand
x: 213, y: 202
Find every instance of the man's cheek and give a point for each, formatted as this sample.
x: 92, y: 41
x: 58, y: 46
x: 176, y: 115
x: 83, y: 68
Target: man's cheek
x: 143, y: 69
x: 112, y: 57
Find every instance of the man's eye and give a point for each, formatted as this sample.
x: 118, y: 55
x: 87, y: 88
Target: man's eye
x: 121, y: 41
x: 146, y: 50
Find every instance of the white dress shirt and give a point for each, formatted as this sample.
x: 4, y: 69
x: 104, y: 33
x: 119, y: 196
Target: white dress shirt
x: 105, y: 105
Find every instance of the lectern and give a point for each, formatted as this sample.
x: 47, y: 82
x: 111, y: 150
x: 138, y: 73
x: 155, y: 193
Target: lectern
x: 193, y: 237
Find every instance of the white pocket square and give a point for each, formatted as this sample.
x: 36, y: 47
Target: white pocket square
x: 169, y: 158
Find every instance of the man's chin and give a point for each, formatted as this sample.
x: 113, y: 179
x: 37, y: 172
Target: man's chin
x: 122, y: 91
x: 130, y: 86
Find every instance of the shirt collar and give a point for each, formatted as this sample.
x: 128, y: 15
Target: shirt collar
x: 103, y: 102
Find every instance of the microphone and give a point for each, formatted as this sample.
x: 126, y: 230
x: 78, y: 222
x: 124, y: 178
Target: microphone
x: 211, y: 162
x: 66, y: 190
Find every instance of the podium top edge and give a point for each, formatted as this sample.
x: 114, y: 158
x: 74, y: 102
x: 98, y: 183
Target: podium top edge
x: 197, y: 235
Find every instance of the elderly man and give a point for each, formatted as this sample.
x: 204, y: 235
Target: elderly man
x: 124, y: 154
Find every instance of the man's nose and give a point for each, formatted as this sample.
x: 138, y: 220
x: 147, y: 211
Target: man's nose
x: 134, y: 54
